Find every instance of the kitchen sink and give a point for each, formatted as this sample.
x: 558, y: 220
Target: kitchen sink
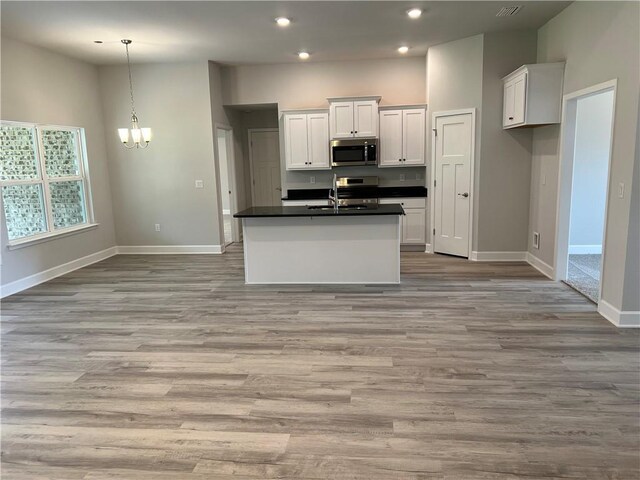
x: 346, y: 207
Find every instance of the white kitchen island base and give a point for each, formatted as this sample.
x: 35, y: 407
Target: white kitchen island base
x: 361, y: 249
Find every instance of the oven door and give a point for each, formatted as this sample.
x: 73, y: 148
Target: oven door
x: 346, y: 153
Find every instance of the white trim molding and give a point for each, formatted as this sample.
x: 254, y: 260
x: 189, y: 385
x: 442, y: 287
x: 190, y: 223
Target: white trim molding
x: 50, y: 274
x: 498, y: 256
x: 170, y: 249
x: 619, y: 318
x: 585, y: 249
x: 542, y: 267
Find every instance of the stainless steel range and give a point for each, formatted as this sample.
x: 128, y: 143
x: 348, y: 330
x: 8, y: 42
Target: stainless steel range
x: 355, y: 191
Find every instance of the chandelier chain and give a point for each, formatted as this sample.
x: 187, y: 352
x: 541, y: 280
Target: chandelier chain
x: 133, y: 108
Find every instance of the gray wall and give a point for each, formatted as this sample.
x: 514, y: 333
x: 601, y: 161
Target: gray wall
x: 156, y: 185
x: 599, y: 41
x: 39, y: 86
x: 590, y: 169
x: 307, y: 85
x: 504, y: 163
x: 454, y: 81
x: 466, y: 74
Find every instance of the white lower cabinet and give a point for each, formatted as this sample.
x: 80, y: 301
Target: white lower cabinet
x: 306, y: 140
x: 413, y: 223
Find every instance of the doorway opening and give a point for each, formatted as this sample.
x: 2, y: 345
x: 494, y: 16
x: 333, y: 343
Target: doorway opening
x: 584, y: 186
x: 227, y: 200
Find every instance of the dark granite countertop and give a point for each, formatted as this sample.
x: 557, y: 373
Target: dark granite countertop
x: 383, y: 192
x: 301, y: 211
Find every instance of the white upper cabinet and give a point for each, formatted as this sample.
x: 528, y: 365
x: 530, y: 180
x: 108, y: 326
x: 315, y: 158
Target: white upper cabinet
x: 341, y: 114
x: 390, y: 146
x: 402, y: 136
x: 318, y: 140
x: 413, y: 136
x: 533, y: 95
x: 365, y: 118
x: 306, y: 140
x: 353, y: 117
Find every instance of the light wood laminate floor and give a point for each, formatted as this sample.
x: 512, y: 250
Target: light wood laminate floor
x: 169, y: 367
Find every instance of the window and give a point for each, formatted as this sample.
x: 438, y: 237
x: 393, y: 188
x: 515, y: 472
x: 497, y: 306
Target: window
x: 44, y: 182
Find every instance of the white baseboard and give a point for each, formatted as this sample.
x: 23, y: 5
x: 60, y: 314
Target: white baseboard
x: 498, y: 256
x: 169, y: 249
x: 50, y: 274
x: 542, y: 267
x: 617, y: 317
x: 585, y: 249
x: 428, y: 248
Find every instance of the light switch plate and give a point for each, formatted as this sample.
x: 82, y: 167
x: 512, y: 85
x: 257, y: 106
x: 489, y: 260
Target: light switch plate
x: 536, y: 240
x: 199, y: 184
x: 621, y: 190
x: 157, y: 227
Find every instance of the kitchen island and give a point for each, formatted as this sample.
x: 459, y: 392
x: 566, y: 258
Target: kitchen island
x: 320, y: 245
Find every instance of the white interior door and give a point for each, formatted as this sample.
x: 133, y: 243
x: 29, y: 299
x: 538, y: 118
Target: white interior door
x: 390, y: 137
x: 265, y: 168
x: 453, y: 147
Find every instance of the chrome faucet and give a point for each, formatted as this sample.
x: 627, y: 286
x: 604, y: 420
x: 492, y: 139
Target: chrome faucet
x: 334, y: 198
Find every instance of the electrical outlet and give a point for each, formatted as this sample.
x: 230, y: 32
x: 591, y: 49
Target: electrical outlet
x: 402, y: 177
x: 544, y: 179
x: 621, y: 190
x: 199, y: 184
x: 157, y: 227
x: 536, y: 240
x: 312, y: 179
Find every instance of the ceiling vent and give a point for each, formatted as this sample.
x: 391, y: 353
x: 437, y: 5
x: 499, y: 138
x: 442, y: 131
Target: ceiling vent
x: 509, y: 11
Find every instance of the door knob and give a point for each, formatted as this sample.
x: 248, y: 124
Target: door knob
x: 465, y: 194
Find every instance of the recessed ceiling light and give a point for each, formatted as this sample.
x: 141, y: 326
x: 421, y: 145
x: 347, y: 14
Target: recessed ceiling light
x: 303, y: 55
x: 283, y: 21
x: 414, y: 13
x: 403, y: 49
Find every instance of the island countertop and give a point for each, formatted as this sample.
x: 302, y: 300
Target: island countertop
x: 305, y: 211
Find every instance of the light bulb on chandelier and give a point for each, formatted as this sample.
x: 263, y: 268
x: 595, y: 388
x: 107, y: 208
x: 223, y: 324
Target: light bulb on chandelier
x: 140, y: 137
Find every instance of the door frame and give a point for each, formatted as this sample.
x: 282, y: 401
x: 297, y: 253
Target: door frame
x: 565, y: 177
x: 472, y: 167
x: 250, y: 131
x: 231, y: 173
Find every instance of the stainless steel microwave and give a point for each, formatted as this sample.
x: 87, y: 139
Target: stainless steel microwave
x: 354, y: 151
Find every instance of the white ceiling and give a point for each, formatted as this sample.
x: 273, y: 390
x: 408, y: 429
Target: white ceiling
x: 240, y: 32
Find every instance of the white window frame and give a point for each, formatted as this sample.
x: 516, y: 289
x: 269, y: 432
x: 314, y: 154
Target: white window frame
x: 44, y: 180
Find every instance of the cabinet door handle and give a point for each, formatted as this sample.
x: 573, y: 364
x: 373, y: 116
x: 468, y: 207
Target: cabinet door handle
x: 356, y: 131
x: 404, y: 159
x: 510, y: 118
x: 352, y: 132
x: 399, y: 159
x: 465, y: 194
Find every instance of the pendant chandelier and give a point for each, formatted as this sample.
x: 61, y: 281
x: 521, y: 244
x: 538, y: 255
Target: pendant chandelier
x: 140, y: 137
